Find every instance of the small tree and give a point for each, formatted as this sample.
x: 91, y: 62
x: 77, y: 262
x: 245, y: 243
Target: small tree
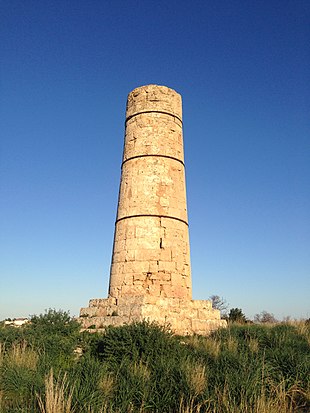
x: 265, y: 317
x: 54, y: 322
x: 219, y: 304
x: 236, y: 316
x: 55, y: 332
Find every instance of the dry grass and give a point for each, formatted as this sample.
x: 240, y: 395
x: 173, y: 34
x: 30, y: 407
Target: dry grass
x: 20, y: 355
x: 141, y: 370
x: 2, y: 349
x: 232, y: 345
x: 190, y: 406
x: 107, y: 384
x: 253, y: 345
x: 196, y: 378
x: 58, y: 396
x: 212, y: 346
x: 279, y: 400
x: 104, y: 409
x: 23, y: 356
x: 303, y: 329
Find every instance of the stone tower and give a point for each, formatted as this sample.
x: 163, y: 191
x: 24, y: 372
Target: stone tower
x: 151, y: 245
x: 150, y: 271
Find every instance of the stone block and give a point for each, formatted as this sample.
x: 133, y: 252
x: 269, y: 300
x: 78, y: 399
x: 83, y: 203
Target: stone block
x: 198, y: 325
x: 147, y: 254
x: 166, y: 266
x: 166, y: 290
x: 154, y: 290
x: 130, y: 255
x: 164, y: 276
x: 189, y: 312
x: 133, y: 300
x: 201, y: 304
x: 206, y: 314
x: 132, y: 290
x: 88, y: 311
x: 139, y: 277
x: 165, y: 254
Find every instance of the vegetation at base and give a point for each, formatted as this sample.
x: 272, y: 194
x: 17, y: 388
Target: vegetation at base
x: 48, y: 366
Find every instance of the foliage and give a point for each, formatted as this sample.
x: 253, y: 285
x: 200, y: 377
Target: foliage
x: 219, y: 303
x: 54, y: 322
x: 144, y: 357
x: 55, y: 333
x: 265, y: 317
x: 137, y: 341
x: 236, y: 316
x: 143, y: 368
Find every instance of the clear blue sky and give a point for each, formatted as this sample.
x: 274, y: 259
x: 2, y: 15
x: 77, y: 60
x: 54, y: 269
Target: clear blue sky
x: 243, y: 69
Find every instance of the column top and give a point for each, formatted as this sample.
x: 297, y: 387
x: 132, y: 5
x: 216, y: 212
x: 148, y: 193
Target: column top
x: 154, y: 98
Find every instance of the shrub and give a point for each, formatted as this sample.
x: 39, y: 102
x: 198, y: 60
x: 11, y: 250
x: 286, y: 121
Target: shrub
x: 236, y: 316
x: 143, y: 357
x: 265, y: 317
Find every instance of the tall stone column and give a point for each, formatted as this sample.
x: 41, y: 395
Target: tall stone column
x: 150, y: 272
x: 151, y: 243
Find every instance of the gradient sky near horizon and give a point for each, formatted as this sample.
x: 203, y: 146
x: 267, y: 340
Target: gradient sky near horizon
x: 243, y: 70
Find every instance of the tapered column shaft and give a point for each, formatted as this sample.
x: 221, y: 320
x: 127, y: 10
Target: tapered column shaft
x: 151, y: 242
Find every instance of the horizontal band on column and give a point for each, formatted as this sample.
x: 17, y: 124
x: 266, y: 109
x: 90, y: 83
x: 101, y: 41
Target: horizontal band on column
x: 155, y: 155
x: 151, y: 215
x: 154, y: 111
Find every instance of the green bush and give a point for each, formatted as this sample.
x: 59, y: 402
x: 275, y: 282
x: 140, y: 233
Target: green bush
x: 138, y: 341
x: 143, y: 357
x: 236, y: 316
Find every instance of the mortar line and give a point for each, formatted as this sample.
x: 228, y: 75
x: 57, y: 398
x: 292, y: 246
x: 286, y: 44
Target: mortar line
x: 151, y: 215
x: 160, y: 156
x: 153, y: 111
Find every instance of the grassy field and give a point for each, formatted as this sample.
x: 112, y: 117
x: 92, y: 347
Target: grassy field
x: 49, y: 367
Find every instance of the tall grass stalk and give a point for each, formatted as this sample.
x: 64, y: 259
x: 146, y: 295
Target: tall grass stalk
x: 22, y: 356
x: 107, y: 384
x: 303, y: 329
x: 1, y: 401
x: 2, y: 348
x: 253, y: 345
x: 212, y: 346
x: 232, y: 345
x: 58, y: 396
x: 189, y: 406
x: 103, y: 409
x: 196, y: 378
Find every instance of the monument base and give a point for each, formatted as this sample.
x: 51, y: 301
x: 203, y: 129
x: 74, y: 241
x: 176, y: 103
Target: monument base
x: 183, y: 317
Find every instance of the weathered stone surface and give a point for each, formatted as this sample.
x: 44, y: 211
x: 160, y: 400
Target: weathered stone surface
x: 150, y: 274
x: 151, y: 244
x: 182, y: 316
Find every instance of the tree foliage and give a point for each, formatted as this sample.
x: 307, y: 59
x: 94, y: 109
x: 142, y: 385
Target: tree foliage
x: 219, y: 303
x: 265, y: 317
x: 236, y: 316
x: 55, y: 332
x: 54, y: 322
